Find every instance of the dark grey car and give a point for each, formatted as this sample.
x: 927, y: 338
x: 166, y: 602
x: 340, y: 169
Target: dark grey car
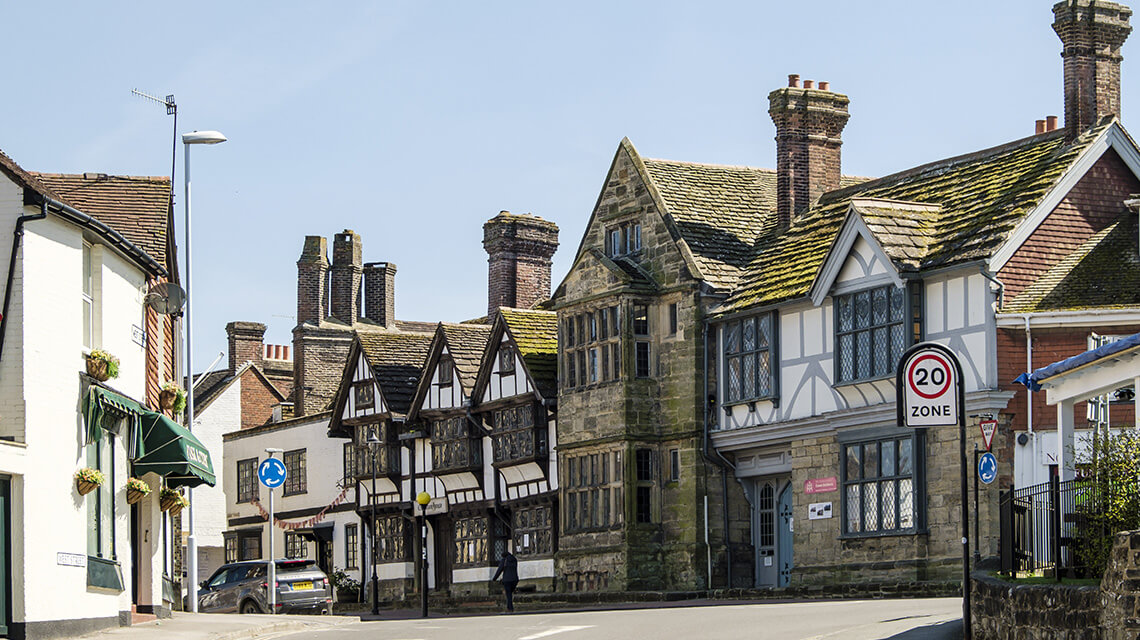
x: 240, y: 587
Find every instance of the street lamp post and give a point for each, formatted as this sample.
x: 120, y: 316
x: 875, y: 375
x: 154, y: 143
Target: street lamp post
x: 373, y: 443
x: 196, y: 137
x: 422, y: 499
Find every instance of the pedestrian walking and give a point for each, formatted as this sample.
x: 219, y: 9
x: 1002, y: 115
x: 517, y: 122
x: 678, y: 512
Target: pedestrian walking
x: 509, y: 570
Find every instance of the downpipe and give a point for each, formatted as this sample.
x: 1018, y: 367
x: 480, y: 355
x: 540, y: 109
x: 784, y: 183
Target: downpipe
x: 17, y: 235
x: 719, y: 460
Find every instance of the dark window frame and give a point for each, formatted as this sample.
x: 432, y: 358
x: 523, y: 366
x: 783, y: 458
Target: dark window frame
x: 296, y: 547
x: 901, y: 325
x: 593, y: 491
x: 455, y: 445
x: 506, y: 359
x: 247, y: 485
x: 246, y: 536
x: 591, y: 347
x: 760, y: 356
x: 364, y: 394
x: 472, y: 541
x: 351, y: 546
x: 533, y: 531
x: 392, y: 539
x: 296, y: 473
x: 851, y: 487
x: 518, y: 434
x: 446, y: 369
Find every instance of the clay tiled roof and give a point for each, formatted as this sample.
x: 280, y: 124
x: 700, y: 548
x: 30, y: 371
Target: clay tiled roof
x: 465, y: 344
x: 535, y: 334
x: 397, y: 361
x: 1102, y: 273
x: 981, y: 198
x: 720, y: 211
x: 136, y: 207
x: 21, y: 177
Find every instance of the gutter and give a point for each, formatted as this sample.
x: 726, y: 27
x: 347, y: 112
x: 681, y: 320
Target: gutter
x: 17, y: 234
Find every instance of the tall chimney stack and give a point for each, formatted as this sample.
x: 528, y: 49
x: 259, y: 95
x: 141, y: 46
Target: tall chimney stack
x: 313, y: 281
x: 246, y: 344
x: 519, y: 249
x: 808, y: 127
x: 1091, y: 33
x: 380, y: 293
x: 347, y: 267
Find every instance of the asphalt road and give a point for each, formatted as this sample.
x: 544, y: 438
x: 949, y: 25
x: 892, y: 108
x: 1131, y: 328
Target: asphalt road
x: 918, y: 619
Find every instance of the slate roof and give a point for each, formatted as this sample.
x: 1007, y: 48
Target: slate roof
x: 136, y: 207
x: 981, y: 196
x: 397, y: 360
x: 465, y: 343
x: 208, y: 387
x: 1102, y: 273
x: 720, y: 211
x: 535, y: 334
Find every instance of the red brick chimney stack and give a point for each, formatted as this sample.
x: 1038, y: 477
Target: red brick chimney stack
x: 380, y: 293
x: 808, y: 126
x: 246, y: 343
x: 519, y: 249
x: 1091, y: 33
x: 347, y: 268
x: 313, y: 281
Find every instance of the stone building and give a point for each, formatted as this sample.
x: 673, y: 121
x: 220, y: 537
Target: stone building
x: 975, y: 252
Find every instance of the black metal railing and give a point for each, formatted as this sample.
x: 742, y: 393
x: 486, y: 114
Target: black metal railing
x: 1057, y: 528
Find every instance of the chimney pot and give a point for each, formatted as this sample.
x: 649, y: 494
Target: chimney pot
x: 794, y: 80
x: 1050, y: 123
x: 808, y: 84
x: 1039, y: 127
x: 824, y: 85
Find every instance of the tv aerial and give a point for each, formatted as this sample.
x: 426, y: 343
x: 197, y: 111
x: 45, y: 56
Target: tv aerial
x: 166, y: 298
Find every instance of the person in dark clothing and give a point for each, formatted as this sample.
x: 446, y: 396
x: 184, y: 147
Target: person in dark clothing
x: 509, y: 570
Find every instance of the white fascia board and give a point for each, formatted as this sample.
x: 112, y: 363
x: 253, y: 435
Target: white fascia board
x: 1079, y: 318
x: 1095, y: 379
x: 1114, y: 138
x: 853, y: 227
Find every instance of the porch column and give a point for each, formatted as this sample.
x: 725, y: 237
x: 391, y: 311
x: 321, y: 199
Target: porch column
x: 1065, y: 428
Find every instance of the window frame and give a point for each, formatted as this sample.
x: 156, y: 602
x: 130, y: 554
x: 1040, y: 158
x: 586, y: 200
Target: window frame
x: 244, y: 535
x: 623, y: 239
x: 912, y: 325
x: 88, y: 294
x: 465, y: 439
x: 862, y: 438
x: 506, y: 357
x: 593, y: 490
x: 294, y: 543
x: 446, y: 371
x: 249, y: 492
x: 730, y: 353
x: 472, y: 541
x: 532, y: 529
x: 522, y: 426
x: 351, y: 545
x: 392, y: 536
x: 591, y: 347
x: 363, y: 395
x: 296, y: 480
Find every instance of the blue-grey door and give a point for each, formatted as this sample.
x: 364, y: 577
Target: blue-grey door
x: 764, y: 532
x: 784, y: 536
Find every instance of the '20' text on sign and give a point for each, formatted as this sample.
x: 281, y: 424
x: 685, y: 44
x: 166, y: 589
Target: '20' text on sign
x: 929, y: 382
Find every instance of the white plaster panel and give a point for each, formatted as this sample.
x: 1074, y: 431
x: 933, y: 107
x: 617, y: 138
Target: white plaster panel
x: 535, y: 569
x: 857, y: 265
x: 955, y: 304
x: 978, y: 307
x: 813, y: 328
x: 935, y: 308
x: 789, y: 336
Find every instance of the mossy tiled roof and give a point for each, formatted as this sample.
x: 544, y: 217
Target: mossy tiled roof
x: 1102, y: 273
x: 981, y: 196
x: 535, y: 334
x: 465, y: 344
x: 720, y: 211
x: 397, y: 360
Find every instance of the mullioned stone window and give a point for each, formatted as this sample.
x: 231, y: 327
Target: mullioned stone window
x: 623, y: 239
x: 593, y: 491
x: 591, y: 347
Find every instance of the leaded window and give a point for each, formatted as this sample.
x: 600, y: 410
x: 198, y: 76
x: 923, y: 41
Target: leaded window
x: 872, y: 332
x: 295, y: 546
x: 295, y: 481
x: 515, y: 435
x: 471, y: 540
x: 391, y: 539
x: 247, y: 480
x: 881, y: 484
x: 645, y: 476
x: 364, y: 394
x: 534, y: 531
x: 591, y: 347
x: 592, y: 485
x: 351, y: 455
x: 749, y: 374
x: 454, y: 445
x: 231, y: 542
x: 351, y: 546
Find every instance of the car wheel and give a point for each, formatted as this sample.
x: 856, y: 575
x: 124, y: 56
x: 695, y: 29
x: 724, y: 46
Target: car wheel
x: 249, y: 606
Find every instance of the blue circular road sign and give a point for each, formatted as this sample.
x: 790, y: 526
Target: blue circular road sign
x: 987, y: 468
x: 271, y: 473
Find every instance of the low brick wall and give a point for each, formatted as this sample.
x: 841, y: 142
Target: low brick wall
x: 1005, y: 611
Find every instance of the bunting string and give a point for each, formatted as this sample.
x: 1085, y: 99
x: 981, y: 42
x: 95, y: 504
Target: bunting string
x: 291, y: 525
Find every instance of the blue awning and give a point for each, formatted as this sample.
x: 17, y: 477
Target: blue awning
x: 1033, y: 380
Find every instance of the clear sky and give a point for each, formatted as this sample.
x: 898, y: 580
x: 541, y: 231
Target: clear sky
x: 414, y: 122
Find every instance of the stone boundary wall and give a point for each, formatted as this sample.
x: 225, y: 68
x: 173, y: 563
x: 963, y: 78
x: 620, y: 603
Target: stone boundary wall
x: 1004, y: 611
x: 1120, y: 589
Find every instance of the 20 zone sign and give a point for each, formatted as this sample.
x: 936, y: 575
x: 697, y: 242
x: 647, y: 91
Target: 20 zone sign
x: 929, y: 387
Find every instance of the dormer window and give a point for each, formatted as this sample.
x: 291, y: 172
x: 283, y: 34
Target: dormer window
x: 623, y: 239
x: 446, y: 370
x: 873, y: 328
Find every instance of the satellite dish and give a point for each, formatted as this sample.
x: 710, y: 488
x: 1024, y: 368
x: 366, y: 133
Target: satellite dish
x: 166, y: 298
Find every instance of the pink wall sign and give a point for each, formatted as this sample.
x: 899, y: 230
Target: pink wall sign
x: 821, y: 485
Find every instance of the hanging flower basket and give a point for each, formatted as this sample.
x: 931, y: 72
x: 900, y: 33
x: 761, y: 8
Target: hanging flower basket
x: 102, y: 365
x: 172, y: 398
x: 172, y: 501
x: 136, y: 490
x: 88, y: 480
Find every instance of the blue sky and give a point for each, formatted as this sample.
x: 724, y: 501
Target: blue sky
x: 414, y: 122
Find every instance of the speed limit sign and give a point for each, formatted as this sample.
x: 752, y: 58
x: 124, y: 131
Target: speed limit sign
x: 929, y: 382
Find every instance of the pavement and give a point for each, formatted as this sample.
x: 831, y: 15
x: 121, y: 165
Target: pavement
x: 221, y: 626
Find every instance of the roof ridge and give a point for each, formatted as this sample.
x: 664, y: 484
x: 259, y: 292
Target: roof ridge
x: 51, y: 174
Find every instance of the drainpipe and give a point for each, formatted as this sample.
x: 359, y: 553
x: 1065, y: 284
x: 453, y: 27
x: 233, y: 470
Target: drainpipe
x: 16, y: 236
x: 1029, y: 394
x: 719, y: 460
x: 1001, y: 286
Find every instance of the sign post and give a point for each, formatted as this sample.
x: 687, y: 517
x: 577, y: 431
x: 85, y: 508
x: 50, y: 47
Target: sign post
x: 271, y: 472
x: 928, y: 384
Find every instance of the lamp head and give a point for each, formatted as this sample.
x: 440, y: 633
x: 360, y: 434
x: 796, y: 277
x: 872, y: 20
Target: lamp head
x: 372, y: 439
x: 203, y: 137
x: 423, y: 498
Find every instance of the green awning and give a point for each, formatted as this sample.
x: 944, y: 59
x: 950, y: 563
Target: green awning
x: 170, y: 450
x: 106, y: 410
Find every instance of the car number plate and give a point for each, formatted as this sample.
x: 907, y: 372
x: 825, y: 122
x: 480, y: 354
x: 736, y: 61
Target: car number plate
x: 302, y: 586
